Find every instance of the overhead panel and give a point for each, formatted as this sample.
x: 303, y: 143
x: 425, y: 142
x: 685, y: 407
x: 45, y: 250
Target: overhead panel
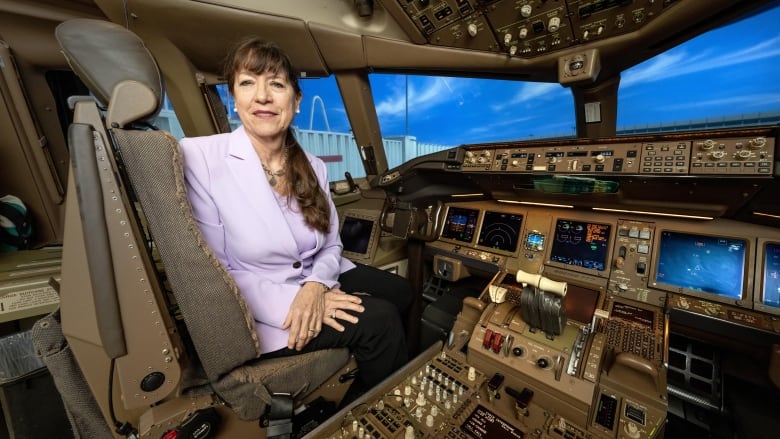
x: 527, y: 28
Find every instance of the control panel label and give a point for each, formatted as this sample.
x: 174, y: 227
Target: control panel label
x: 484, y: 424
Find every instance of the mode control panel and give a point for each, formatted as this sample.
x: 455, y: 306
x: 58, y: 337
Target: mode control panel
x: 738, y: 156
x: 595, y: 159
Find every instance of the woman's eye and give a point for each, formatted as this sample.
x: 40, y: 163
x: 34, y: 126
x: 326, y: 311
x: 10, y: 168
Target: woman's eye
x: 245, y: 82
x: 277, y: 84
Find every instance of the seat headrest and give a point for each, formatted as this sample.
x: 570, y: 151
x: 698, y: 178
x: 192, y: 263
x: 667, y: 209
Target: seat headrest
x: 105, y: 54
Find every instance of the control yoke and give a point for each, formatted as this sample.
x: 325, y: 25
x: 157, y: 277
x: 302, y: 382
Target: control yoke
x: 412, y: 222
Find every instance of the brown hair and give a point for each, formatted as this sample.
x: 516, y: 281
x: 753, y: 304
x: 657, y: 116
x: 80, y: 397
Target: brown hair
x: 257, y: 56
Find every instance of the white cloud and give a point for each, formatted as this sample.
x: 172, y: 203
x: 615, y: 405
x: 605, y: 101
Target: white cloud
x: 432, y: 92
x: 678, y: 63
x: 742, y: 101
x: 530, y: 91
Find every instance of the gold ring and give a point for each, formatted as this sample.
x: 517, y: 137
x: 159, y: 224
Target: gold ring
x: 312, y: 330
x: 333, y: 316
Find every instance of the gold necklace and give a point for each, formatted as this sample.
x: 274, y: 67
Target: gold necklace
x: 272, y: 174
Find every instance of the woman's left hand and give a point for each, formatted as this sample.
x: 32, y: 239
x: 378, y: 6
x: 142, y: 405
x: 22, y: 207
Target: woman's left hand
x: 304, y: 319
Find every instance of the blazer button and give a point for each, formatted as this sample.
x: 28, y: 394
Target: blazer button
x: 297, y: 264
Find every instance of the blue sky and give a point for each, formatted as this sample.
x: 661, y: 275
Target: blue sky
x: 727, y: 72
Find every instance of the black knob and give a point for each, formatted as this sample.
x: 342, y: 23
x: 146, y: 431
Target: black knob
x: 543, y: 363
x: 517, y: 351
x: 152, y: 382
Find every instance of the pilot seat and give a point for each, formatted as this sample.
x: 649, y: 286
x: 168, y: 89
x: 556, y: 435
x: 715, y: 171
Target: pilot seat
x: 152, y: 337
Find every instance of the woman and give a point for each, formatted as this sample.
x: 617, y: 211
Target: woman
x: 263, y: 206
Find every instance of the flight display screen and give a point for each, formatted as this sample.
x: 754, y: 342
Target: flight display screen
x: 707, y: 264
x: 460, y: 224
x: 581, y: 244
x: 771, y: 296
x: 500, y: 230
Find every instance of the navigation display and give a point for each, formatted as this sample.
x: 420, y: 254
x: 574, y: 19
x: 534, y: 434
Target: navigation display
x: 581, y: 244
x: 706, y: 264
x: 500, y: 230
x: 460, y: 224
x: 771, y: 295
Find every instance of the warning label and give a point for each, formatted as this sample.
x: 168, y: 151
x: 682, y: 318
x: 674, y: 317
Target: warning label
x: 27, y: 303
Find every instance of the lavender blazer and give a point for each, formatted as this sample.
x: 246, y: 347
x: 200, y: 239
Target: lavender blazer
x: 242, y: 222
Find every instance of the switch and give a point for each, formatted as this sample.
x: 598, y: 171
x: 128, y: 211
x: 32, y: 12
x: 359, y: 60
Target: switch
x: 641, y: 267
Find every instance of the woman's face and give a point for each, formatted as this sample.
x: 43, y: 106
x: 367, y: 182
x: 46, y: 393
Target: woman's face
x: 266, y: 104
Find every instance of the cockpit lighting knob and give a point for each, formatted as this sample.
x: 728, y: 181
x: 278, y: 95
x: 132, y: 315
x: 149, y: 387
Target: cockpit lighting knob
x: 600, y: 158
x: 523, y: 33
x: 554, y: 24
x: 472, y: 29
x: 507, y: 38
x: 526, y: 10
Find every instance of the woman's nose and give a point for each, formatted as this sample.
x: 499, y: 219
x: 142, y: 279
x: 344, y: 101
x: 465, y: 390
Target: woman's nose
x: 262, y: 93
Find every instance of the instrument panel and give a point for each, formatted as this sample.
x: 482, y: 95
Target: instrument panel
x: 719, y: 261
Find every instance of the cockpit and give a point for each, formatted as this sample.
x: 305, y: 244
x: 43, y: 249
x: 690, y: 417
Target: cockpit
x: 581, y: 193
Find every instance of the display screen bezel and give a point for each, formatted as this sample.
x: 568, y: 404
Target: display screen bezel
x: 448, y: 219
x: 551, y: 247
x: 657, y: 280
x: 761, y: 277
x: 481, y: 230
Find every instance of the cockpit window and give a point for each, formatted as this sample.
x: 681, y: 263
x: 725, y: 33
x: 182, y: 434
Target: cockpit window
x: 430, y: 113
x: 726, y: 78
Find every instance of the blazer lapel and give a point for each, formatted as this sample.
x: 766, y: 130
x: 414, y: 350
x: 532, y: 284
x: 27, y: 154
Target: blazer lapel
x: 245, y: 167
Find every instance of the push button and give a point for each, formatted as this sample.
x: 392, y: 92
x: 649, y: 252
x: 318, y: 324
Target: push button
x: 297, y: 264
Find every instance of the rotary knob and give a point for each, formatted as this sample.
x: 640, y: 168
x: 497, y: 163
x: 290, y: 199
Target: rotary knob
x: 523, y: 33
x: 757, y: 143
x: 472, y: 29
x: 743, y: 155
x: 525, y: 11
x: 707, y: 144
x: 631, y: 430
x: 543, y: 363
x: 716, y: 155
x: 600, y: 158
x: 554, y: 24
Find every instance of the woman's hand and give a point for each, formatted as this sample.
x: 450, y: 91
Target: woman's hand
x: 337, y: 303
x: 304, y: 319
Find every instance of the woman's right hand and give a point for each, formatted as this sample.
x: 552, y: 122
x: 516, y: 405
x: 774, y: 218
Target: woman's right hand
x: 337, y: 305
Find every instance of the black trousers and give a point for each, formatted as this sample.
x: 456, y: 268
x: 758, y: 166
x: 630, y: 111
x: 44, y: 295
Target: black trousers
x: 378, y: 339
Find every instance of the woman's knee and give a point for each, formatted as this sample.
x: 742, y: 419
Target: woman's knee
x: 380, y: 316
